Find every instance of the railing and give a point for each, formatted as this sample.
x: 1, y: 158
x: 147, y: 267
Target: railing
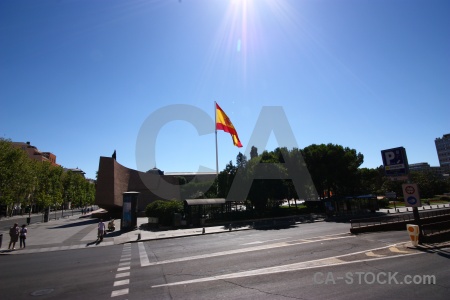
x: 436, y: 228
x: 397, y: 218
x: 276, y: 221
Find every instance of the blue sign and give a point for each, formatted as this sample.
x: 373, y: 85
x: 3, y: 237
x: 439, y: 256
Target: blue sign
x: 412, y: 200
x: 395, y: 161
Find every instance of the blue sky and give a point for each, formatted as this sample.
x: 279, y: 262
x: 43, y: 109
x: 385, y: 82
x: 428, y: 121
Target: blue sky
x: 80, y: 78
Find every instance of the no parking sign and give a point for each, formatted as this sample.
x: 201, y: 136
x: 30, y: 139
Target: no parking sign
x: 411, y: 195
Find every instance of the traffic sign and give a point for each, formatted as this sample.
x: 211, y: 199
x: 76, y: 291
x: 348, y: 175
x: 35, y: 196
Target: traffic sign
x: 411, y: 195
x: 395, y: 161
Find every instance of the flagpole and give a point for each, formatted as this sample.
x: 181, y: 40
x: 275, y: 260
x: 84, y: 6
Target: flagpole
x: 217, y: 151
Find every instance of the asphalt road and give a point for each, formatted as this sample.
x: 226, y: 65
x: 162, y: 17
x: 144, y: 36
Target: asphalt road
x: 307, y: 261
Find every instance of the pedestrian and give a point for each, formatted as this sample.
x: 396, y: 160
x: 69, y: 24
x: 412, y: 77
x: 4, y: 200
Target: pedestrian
x: 23, y: 235
x: 101, y: 229
x: 14, y: 235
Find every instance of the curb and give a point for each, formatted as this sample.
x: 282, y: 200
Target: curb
x: 182, y: 236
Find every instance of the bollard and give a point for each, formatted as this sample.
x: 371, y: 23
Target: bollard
x: 139, y: 236
x: 229, y: 227
x: 203, y: 232
x: 413, y: 231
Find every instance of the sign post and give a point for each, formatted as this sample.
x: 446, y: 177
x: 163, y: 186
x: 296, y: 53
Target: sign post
x: 396, y: 167
x: 395, y: 163
x: 411, y: 195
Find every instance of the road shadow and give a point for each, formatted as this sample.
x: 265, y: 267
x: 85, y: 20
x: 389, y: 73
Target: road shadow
x: 444, y: 253
x: 114, y: 233
x: 75, y: 224
x: 7, y: 251
x: 92, y: 243
x: 96, y: 242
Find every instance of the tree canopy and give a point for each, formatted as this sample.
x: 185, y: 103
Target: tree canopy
x: 25, y: 182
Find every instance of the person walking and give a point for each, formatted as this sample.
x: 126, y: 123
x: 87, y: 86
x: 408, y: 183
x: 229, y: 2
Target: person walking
x: 101, y: 229
x: 14, y: 235
x: 23, y: 235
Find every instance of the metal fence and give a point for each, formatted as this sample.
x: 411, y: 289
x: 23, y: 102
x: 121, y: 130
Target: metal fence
x: 397, y: 218
x: 436, y: 228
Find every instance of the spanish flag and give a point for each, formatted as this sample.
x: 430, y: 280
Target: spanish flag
x: 224, y: 123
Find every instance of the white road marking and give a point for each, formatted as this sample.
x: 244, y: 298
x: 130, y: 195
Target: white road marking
x: 119, y: 293
x: 145, y: 262
x: 120, y: 275
x: 396, y: 250
x: 319, y: 263
x: 122, y: 282
x: 260, y: 242
x: 143, y: 255
x: 371, y: 254
x: 123, y: 266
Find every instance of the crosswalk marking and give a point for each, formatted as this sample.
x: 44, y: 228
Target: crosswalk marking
x: 121, y: 282
x: 123, y: 266
x: 119, y: 293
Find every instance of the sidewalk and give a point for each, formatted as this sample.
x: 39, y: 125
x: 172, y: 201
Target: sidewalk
x: 80, y: 232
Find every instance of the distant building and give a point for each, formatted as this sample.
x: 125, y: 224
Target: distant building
x: 420, y: 167
x: 76, y: 171
x: 35, y: 154
x: 443, y: 150
x: 425, y: 167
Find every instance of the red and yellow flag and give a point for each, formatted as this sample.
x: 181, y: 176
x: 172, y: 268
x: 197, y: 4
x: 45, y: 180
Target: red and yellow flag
x: 224, y: 123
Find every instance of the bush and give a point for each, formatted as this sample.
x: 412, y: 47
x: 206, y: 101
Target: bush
x: 164, y: 210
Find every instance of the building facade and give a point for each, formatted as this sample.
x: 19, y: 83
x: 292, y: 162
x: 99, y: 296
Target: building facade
x: 443, y: 150
x: 34, y: 153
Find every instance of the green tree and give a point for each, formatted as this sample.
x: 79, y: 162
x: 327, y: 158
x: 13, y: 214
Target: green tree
x: 42, y: 196
x: 266, y: 193
x: 79, y: 190
x: 253, y: 152
x: 15, y: 174
x: 370, y: 181
x: 333, y: 168
x: 429, y: 183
